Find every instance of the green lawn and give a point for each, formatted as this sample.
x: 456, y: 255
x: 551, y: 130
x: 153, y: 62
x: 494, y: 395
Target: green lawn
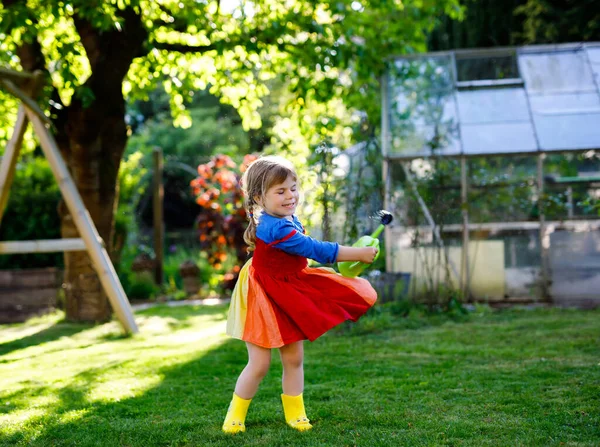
x: 505, y: 378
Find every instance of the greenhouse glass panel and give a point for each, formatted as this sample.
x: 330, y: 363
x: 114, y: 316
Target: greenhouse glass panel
x: 497, y: 138
x: 594, y: 56
x: 477, y: 68
x: 555, y: 72
x: 575, y: 265
x: 495, y: 121
x: 485, y: 106
x: 568, y: 121
x: 423, y: 108
x: 564, y: 99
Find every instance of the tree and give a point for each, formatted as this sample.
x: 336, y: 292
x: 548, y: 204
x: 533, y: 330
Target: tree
x: 96, y: 53
x: 555, y: 21
x: 490, y: 23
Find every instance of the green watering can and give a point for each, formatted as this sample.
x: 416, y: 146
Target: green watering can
x: 351, y: 269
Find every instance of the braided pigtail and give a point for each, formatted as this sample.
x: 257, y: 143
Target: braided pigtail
x: 250, y: 233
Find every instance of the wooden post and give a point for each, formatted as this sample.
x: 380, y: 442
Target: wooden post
x: 159, y: 231
x: 42, y: 246
x: 464, y: 268
x: 102, y: 263
x: 11, y: 154
x: 9, y: 160
x: 25, y: 98
x: 544, y: 239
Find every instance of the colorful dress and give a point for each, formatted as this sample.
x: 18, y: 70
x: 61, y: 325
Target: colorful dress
x: 279, y: 300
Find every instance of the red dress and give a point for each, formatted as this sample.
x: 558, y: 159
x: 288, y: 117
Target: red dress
x: 280, y: 300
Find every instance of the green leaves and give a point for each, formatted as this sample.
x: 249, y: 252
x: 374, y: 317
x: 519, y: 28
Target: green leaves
x: 327, y: 51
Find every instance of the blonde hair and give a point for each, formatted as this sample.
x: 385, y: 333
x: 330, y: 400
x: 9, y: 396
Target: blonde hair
x: 256, y: 181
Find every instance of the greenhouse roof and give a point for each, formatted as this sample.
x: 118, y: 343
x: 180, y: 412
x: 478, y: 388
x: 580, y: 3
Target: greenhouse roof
x: 515, y: 100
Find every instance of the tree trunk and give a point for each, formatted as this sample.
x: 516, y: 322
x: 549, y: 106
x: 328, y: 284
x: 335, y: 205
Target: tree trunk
x: 91, y: 134
x: 96, y: 141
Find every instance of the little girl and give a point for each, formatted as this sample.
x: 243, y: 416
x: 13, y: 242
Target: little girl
x: 278, y: 300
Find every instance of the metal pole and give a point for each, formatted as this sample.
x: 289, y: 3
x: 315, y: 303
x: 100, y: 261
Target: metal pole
x: 386, y: 166
x: 464, y: 270
x: 159, y: 232
x: 544, y: 239
x: 570, y: 212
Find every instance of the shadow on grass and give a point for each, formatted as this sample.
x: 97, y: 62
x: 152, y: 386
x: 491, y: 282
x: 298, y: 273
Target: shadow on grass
x: 186, y: 408
x: 58, y: 330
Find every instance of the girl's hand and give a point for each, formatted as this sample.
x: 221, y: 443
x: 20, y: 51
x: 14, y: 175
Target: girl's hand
x: 368, y: 254
x: 361, y: 254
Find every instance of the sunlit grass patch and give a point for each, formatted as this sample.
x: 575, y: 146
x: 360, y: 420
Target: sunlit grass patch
x: 517, y: 377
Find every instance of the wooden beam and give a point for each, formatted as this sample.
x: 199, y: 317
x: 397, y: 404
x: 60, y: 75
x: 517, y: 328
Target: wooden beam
x: 15, y: 76
x: 25, y: 99
x: 10, y: 157
x: 42, y: 246
x: 11, y: 154
x: 101, y: 261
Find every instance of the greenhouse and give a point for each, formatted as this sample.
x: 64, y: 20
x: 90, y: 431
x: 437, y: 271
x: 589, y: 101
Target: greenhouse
x: 496, y: 150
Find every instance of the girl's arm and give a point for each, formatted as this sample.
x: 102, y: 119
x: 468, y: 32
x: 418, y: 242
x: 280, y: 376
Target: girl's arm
x: 362, y: 254
x: 292, y: 241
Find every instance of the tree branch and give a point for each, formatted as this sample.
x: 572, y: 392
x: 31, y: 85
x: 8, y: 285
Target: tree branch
x: 181, y: 48
x: 180, y: 25
x: 31, y: 59
x: 222, y: 45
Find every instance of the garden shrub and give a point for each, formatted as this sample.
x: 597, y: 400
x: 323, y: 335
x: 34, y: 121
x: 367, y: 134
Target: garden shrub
x: 222, y: 222
x: 31, y: 214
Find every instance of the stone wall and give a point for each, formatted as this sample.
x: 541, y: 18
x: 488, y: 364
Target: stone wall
x: 29, y: 292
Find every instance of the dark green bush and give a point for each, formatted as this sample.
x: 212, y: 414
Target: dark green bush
x: 32, y: 214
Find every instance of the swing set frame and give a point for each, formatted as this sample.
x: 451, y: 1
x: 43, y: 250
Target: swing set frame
x: 25, y: 86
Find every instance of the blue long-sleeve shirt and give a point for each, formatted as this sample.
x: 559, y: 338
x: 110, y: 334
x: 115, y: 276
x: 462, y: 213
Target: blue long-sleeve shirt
x: 291, y: 239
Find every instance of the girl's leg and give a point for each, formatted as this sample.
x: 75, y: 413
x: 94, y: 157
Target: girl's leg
x: 292, y: 358
x: 259, y: 360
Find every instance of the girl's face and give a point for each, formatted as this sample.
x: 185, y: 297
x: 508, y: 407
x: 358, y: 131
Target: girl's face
x: 281, y: 200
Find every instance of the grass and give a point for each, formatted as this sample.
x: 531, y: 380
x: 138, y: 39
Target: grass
x: 502, y: 378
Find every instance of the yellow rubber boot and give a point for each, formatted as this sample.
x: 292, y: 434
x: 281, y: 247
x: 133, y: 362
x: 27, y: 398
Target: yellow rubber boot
x: 236, y: 415
x: 295, y: 415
